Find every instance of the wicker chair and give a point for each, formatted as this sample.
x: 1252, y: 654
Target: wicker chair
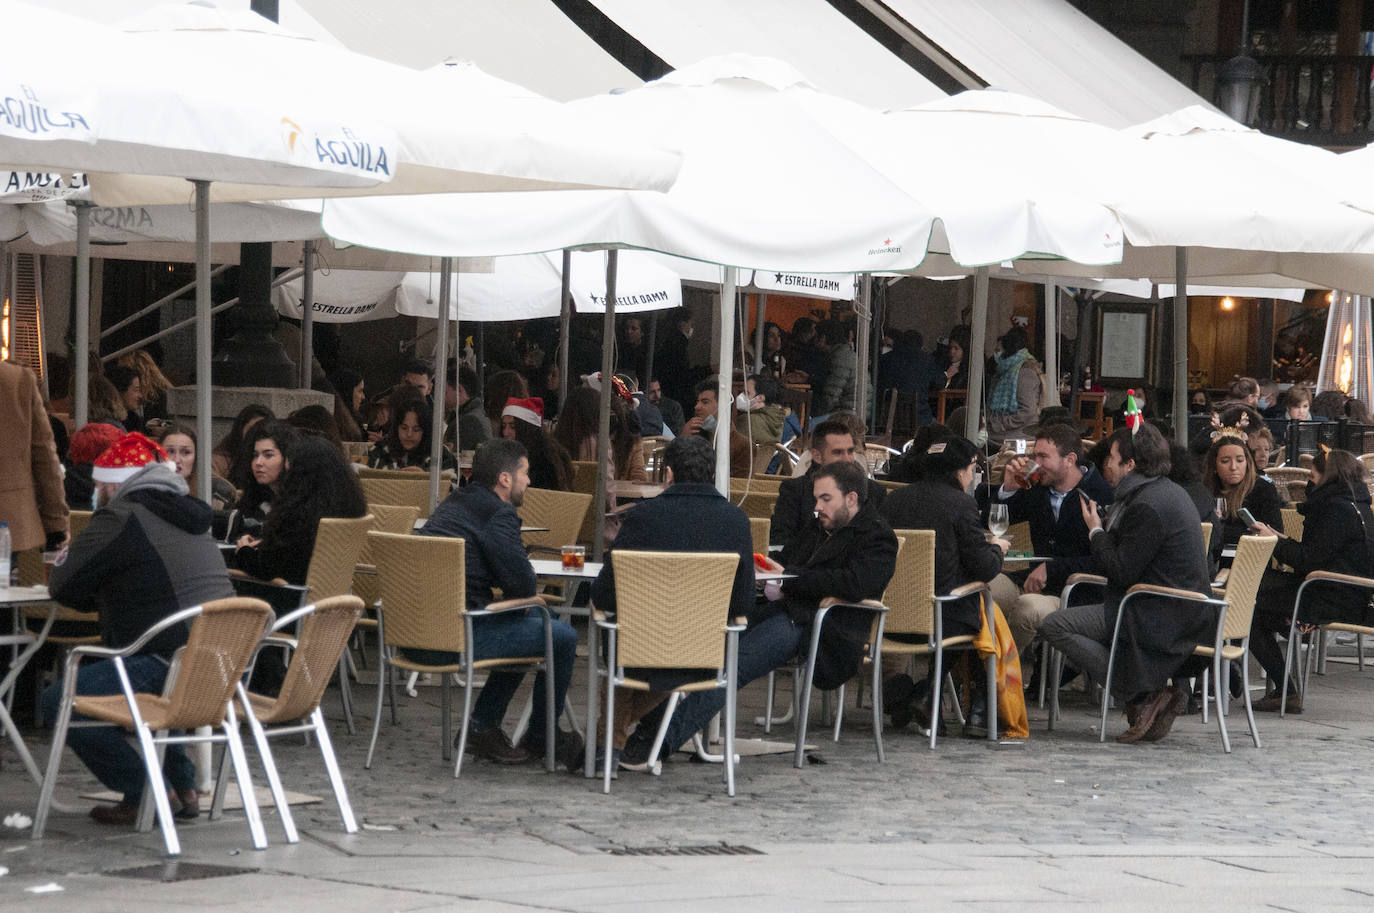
x: 1292, y: 523
x: 584, y: 481
x: 653, y: 447
x: 387, y: 518
x: 411, y: 491
x: 1318, y: 632
x: 324, y: 631
x: 424, y: 606
x: 660, y: 624
x: 200, y: 692
x: 756, y: 504
x: 562, y: 513
x: 758, y: 529
x: 1291, y: 482
x: 1233, y: 624
x: 913, y: 611
x: 1019, y: 535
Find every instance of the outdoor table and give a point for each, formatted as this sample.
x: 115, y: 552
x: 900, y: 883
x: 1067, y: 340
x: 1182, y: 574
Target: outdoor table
x: 1009, y: 557
x: 421, y: 521
x: 636, y: 491
x: 14, y: 597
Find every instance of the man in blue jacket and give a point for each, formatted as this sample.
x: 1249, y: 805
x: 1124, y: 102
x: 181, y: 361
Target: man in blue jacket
x: 483, y: 514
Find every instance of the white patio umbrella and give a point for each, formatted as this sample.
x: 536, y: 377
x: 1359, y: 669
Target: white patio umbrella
x: 517, y: 288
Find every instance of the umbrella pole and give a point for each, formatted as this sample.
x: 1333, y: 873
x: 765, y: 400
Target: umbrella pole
x: 307, y: 315
x: 978, y: 332
x: 564, y: 328
x: 81, y: 404
x: 876, y: 335
x: 863, y: 327
x: 603, y: 437
x: 1052, y: 343
x: 203, y: 332
x: 760, y: 304
x: 1181, y: 345
x: 723, y: 379
x: 436, y: 431
x: 649, y: 353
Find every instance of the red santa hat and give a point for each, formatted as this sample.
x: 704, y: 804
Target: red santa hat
x: 91, y: 441
x: 125, y: 457
x: 527, y: 410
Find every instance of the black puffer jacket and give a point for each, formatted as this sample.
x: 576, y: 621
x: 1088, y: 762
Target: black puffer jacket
x: 1338, y: 535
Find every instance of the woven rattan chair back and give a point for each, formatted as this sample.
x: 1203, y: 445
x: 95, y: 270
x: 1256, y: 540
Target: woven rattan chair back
x: 447, y: 475
x: 756, y: 504
x: 217, y: 652
x: 1292, y: 523
x: 424, y: 590
x: 28, y: 567
x: 1282, y: 475
x: 1206, y: 538
x: 910, y: 594
x: 672, y: 608
x: 77, y: 522
x: 1019, y: 535
x: 562, y: 513
x: 758, y: 483
x: 386, y: 518
x: 758, y: 530
x: 339, y: 545
x: 1252, y: 557
x: 323, y: 635
x: 584, y: 476
x: 408, y: 492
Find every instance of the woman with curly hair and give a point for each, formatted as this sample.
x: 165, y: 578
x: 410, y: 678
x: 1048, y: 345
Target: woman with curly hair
x: 407, y: 443
x: 152, y: 382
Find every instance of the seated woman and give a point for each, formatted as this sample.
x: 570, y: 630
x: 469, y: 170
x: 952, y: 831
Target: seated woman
x: 579, y: 423
x: 317, y: 483
x: 224, y: 459
x: 1297, y: 404
x: 407, y: 444
x: 268, y: 449
x: 1014, y: 393
x: 939, y: 500
x: 550, y: 466
x: 1229, y: 471
x: 180, y: 444
x: 1338, y: 535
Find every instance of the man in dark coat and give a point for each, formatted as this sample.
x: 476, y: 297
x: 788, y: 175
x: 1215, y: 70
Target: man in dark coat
x: 1153, y: 536
x: 673, y: 367
x: 669, y: 408
x: 690, y: 516
x: 794, y: 525
x: 1051, y: 506
x: 854, y: 561
x: 483, y: 514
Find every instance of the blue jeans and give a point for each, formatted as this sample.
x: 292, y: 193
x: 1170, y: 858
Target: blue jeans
x: 762, y: 648
x: 513, y: 634
x: 104, y: 749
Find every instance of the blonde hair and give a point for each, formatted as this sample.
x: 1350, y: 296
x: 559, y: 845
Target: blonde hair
x: 152, y: 380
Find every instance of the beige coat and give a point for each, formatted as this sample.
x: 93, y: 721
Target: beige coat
x: 31, y: 497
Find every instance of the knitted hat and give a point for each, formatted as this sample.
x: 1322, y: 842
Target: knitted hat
x: 91, y: 441
x: 527, y: 410
x: 125, y: 457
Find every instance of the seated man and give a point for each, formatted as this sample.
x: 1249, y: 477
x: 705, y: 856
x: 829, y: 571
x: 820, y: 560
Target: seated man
x: 669, y: 408
x: 706, y: 422
x: 146, y: 554
x: 794, y: 524
x: 1153, y: 537
x: 690, y: 516
x: 1063, y: 479
x: 852, y: 560
x: 483, y: 514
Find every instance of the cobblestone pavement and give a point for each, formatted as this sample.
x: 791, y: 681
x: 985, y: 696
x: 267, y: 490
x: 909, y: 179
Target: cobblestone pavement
x: 1062, y: 820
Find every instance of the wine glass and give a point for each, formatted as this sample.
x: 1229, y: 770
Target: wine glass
x: 1221, y: 508
x: 997, y: 520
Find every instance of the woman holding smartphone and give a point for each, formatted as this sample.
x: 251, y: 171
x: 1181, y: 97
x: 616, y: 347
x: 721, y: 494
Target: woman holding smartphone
x: 1229, y: 471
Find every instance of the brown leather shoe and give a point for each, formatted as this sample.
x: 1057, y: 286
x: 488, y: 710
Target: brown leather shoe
x: 121, y: 814
x: 185, y: 804
x: 494, y: 745
x: 1164, y: 720
x: 1150, y: 708
x: 1270, y: 703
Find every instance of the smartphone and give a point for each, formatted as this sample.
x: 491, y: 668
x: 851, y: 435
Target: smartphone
x: 1246, y: 517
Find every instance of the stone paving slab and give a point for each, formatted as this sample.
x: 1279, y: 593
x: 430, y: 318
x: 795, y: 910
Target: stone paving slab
x: 1066, y: 821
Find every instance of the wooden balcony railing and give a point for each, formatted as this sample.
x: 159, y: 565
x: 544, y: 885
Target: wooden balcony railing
x: 1318, y: 99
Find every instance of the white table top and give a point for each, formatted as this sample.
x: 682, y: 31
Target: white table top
x: 765, y: 577
x: 14, y: 595
x: 553, y: 567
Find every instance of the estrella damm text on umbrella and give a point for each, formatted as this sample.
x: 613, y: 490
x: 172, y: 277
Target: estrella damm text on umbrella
x: 24, y: 114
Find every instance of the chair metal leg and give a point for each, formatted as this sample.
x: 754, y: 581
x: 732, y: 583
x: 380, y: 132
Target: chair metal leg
x: 804, y: 707
x: 878, y: 704
x: 1053, y: 665
x: 656, y: 765
x: 839, y: 713
x: 59, y: 741
x: 221, y: 784
x: 768, y: 707
x: 1221, y: 686
x: 245, y: 780
x: 731, y: 708
x: 331, y: 766
x: 269, y: 766
x: 465, y: 723
x: 346, y: 692
x: 937, y: 678
x: 446, y: 716
x: 1206, y: 692
x: 607, y: 761
x: 158, y: 790
x: 593, y: 675
x: 991, y: 665
x: 1044, y: 671
x: 1245, y: 681
x: 383, y: 673
x: 550, y: 710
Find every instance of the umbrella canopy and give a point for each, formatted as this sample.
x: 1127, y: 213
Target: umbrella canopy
x: 303, y: 116
x: 517, y: 288
x: 788, y: 196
